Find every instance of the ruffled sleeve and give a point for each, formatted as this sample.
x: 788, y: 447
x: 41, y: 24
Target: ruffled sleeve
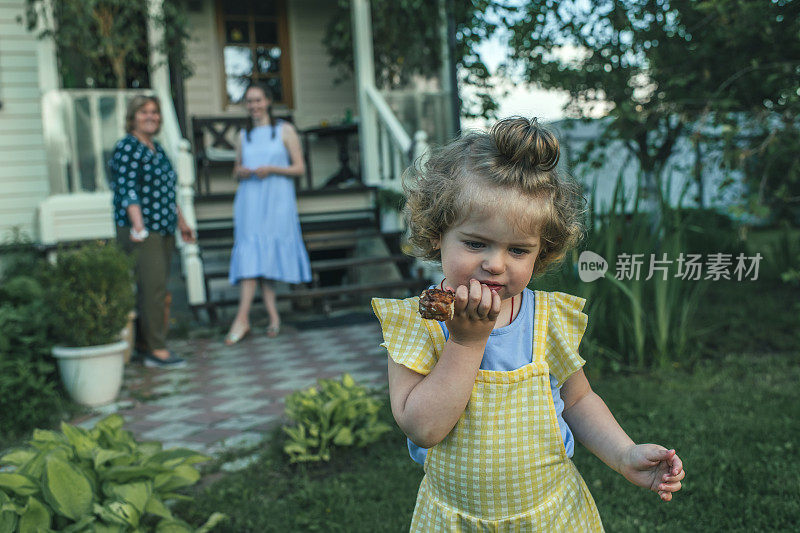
x: 406, y: 336
x: 565, y: 326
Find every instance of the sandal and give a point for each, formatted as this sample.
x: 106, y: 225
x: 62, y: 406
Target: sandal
x: 272, y: 331
x: 232, y: 338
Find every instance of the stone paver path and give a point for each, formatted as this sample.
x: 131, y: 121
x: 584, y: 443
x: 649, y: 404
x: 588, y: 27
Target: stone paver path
x: 232, y: 396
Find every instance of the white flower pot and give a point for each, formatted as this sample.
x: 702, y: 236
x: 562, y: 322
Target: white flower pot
x: 92, y: 375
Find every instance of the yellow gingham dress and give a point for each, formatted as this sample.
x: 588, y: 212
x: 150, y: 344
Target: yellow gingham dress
x: 503, y: 467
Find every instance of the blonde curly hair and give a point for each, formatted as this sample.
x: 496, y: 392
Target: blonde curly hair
x: 514, y: 165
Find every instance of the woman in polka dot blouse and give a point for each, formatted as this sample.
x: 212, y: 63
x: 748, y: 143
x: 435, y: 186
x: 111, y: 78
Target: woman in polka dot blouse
x: 146, y: 216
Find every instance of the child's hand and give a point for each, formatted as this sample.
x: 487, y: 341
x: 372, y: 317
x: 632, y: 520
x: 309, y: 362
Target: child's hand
x: 653, y: 467
x: 474, y: 313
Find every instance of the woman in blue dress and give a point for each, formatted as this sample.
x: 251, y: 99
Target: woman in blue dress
x: 267, y: 243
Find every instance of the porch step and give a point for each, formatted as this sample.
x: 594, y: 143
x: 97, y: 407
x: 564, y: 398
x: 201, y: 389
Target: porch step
x: 415, y: 285
x: 326, y: 264
x: 350, y: 256
x: 315, y: 241
x: 310, y: 203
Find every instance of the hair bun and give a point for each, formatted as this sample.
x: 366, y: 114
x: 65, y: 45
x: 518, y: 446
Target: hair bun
x: 525, y: 142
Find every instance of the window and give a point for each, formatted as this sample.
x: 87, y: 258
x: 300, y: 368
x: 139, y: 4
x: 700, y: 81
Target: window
x: 255, y: 47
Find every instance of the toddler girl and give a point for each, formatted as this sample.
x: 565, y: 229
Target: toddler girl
x: 492, y: 399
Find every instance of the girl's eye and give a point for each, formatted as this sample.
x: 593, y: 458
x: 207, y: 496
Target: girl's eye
x: 473, y: 244
x: 518, y: 251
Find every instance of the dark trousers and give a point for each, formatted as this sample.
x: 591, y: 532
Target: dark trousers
x: 152, y: 261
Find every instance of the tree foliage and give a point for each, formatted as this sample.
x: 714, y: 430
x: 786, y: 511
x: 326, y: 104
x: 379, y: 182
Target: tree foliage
x: 664, y: 68
x: 104, y: 43
x: 407, y: 39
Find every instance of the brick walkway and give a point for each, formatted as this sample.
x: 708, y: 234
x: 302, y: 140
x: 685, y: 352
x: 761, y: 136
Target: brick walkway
x: 231, y: 396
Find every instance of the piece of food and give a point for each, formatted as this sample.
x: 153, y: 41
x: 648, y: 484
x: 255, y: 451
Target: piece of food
x: 437, y: 304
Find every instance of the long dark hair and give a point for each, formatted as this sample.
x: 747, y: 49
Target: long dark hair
x: 268, y: 95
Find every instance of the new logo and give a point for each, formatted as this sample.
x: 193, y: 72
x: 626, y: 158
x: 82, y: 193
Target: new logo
x: 591, y: 266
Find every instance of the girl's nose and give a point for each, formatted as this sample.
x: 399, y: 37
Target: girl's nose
x: 494, y: 263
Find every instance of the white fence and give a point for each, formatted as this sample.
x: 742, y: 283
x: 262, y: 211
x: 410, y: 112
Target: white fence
x: 394, y: 148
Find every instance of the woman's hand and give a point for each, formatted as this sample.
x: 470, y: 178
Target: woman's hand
x: 653, y: 467
x: 475, y: 311
x: 263, y: 172
x: 242, y: 172
x: 139, y: 235
x: 187, y: 234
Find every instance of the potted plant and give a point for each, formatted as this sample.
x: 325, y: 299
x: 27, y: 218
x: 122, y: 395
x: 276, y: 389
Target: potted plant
x: 90, y: 297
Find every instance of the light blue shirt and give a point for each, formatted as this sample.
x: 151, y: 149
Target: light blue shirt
x: 509, y: 348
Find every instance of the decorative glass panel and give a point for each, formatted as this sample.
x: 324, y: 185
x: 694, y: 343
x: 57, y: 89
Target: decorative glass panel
x: 268, y: 59
x: 238, y: 69
x: 236, y: 31
x: 275, y: 86
x: 266, y: 32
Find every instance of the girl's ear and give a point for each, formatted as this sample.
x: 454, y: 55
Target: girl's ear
x: 436, y: 243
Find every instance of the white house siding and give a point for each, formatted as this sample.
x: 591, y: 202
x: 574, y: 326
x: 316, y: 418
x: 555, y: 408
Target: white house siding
x: 204, y: 89
x: 23, y: 163
x: 316, y: 97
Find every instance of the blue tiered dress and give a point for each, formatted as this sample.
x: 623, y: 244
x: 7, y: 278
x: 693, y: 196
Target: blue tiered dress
x: 267, y: 242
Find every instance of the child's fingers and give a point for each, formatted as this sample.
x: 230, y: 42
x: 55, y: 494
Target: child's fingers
x: 475, y: 294
x: 669, y: 487
x: 669, y: 478
x: 485, y: 307
x: 494, y: 312
x: 665, y: 496
x: 676, y: 465
x: 462, y: 299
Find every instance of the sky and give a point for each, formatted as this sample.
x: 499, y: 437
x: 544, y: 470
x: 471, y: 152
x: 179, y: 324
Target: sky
x: 522, y: 99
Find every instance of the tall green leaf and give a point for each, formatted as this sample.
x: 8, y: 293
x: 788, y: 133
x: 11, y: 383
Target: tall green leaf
x: 66, y: 489
x: 36, y: 517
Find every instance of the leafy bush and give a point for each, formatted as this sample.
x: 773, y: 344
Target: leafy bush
x: 30, y: 391
x: 91, y: 295
x: 95, y: 480
x: 338, y: 413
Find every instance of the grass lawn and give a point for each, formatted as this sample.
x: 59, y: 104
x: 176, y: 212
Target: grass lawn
x: 733, y: 421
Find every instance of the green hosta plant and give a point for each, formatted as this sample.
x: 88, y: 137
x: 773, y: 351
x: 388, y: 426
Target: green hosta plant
x: 335, y: 413
x: 98, y: 480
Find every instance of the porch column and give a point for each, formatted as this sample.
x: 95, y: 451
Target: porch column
x: 53, y: 125
x: 179, y: 151
x: 365, y: 77
x: 159, y: 71
x: 46, y: 49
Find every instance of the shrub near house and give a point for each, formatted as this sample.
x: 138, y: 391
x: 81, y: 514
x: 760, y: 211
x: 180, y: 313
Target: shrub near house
x: 30, y: 394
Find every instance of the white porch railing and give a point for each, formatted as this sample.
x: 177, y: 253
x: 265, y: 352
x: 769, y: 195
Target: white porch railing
x: 395, y: 148
x: 426, y: 110
x: 81, y: 127
x: 386, y: 148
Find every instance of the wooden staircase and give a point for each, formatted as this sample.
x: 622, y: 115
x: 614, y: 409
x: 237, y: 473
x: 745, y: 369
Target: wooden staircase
x: 351, y: 258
